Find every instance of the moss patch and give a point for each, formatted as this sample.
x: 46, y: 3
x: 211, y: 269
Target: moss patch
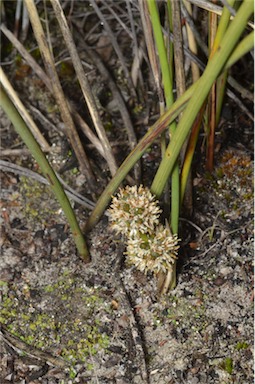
x: 64, y: 318
x: 36, y: 198
x: 234, y: 179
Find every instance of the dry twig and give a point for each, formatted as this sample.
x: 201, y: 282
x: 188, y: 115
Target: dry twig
x: 85, y: 86
x: 59, y: 95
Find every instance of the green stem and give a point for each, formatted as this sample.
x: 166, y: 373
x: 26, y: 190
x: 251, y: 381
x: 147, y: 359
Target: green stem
x: 155, y: 130
x: 166, y: 72
x: 167, y: 80
x: 190, y: 151
x: 222, y: 27
x: 48, y: 172
x: 203, y: 86
x: 160, y: 125
x: 242, y: 48
x: 218, y: 90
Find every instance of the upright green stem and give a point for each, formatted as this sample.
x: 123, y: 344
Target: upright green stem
x: 242, y: 48
x: 167, y: 80
x: 221, y: 81
x: 217, y: 93
x: 154, y: 131
x: 167, y: 76
x: 203, y: 86
x: 48, y: 172
x: 160, y: 125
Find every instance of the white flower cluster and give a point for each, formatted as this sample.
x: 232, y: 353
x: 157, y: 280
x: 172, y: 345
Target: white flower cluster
x: 134, y: 213
x: 134, y: 210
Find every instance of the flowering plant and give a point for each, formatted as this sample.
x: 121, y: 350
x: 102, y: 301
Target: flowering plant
x: 134, y: 213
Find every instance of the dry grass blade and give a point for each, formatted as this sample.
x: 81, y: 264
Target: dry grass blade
x: 192, y: 42
x: 84, y: 86
x: 192, y: 26
x: 150, y: 44
x: 180, y: 88
x: 245, y: 93
x: 116, y: 47
x: 208, y: 6
x: 42, y: 75
x: 59, y: 94
x: 21, y: 21
x: 136, y: 66
x: 14, y: 152
x: 23, y: 111
x: 234, y: 84
x: 106, y: 76
x: 137, y: 53
x: 88, y: 133
x: 178, y: 49
x: 18, y: 170
x: 29, y: 59
x: 123, y: 25
x: 211, y: 108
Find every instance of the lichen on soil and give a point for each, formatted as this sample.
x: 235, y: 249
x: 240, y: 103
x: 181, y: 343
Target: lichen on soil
x: 63, y: 317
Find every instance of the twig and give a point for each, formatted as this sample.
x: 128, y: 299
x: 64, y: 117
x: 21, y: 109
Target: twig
x: 178, y: 50
x: 245, y: 93
x: 192, y: 224
x: 230, y: 80
x: 14, y: 152
x: 240, y: 103
x: 23, y: 111
x: 84, y: 86
x: 150, y: 43
x: 116, y: 47
x: 118, y: 99
x: 209, y: 249
x: 46, y: 123
x: 42, y: 75
x: 59, y: 94
x: 208, y: 6
x: 110, y: 9
x: 231, y: 9
x: 137, y: 53
x: 18, y: 170
x: 23, y: 347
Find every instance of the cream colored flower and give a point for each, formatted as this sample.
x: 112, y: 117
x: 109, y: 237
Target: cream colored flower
x: 151, y: 247
x: 153, y: 252
x: 134, y: 210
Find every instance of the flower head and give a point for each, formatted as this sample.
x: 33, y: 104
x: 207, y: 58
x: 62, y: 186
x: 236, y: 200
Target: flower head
x: 151, y: 247
x: 134, y: 210
x: 153, y: 252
